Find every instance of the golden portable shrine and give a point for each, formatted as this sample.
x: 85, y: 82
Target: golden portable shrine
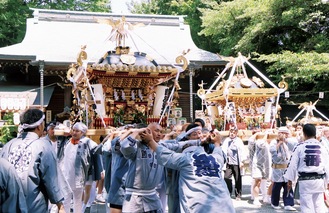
x: 242, y: 101
x: 124, y: 87
x: 309, y: 108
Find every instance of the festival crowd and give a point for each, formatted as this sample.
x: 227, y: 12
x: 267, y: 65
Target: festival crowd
x: 190, y: 168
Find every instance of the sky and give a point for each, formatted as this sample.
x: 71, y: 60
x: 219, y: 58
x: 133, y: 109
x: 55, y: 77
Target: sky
x: 119, y: 6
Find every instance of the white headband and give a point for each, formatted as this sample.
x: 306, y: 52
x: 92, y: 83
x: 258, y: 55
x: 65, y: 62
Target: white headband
x: 50, y: 125
x: 34, y: 125
x: 80, y: 126
x: 193, y: 130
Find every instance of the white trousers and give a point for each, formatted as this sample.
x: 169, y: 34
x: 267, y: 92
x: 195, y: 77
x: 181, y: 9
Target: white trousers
x: 312, y: 203
x: 92, y: 194
x: 77, y: 201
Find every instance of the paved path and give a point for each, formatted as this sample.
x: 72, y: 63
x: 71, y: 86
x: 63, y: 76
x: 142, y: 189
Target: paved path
x: 243, y: 206
x: 246, y: 206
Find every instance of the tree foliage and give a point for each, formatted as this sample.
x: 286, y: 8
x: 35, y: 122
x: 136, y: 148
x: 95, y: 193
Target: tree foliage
x: 13, y: 14
x: 290, y: 37
x: 304, y: 70
x: 80, y: 5
x: 9, y: 130
x: 189, y: 8
x: 287, y: 38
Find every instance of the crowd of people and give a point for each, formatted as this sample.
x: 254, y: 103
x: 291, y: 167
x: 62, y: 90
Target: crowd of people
x: 292, y: 159
x: 145, y: 168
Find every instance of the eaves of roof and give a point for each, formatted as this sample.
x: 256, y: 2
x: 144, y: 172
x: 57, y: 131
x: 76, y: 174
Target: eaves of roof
x: 17, y: 57
x: 56, y: 36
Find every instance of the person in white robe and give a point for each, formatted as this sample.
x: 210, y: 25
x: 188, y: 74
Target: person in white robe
x: 76, y: 156
x: 233, y: 148
x: 309, y: 163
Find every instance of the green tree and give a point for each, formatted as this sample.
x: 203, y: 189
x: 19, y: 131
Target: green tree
x: 289, y: 37
x: 9, y: 130
x: 188, y: 8
x: 81, y: 5
x: 13, y: 14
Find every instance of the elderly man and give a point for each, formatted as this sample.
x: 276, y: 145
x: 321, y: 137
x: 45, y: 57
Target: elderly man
x: 201, y: 186
x: 144, y: 173
x: 76, y: 156
x: 309, y: 161
x: 35, y: 163
x: 233, y: 148
x: 281, y: 153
